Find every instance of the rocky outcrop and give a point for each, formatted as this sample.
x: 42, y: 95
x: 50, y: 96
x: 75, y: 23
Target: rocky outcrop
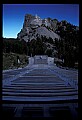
x: 34, y: 25
x: 45, y: 32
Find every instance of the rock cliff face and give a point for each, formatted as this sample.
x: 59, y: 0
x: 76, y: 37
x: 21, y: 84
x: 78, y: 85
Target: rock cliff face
x: 34, y: 26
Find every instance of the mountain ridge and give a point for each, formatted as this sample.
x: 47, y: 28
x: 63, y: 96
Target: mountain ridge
x: 34, y: 26
x: 48, y: 37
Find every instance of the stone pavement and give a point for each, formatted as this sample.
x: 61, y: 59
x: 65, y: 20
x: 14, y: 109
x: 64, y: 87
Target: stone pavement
x: 40, y: 82
x: 44, y: 90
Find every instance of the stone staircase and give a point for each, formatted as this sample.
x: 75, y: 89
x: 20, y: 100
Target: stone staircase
x: 40, y: 91
x: 39, y: 85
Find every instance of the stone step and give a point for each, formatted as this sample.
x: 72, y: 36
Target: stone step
x: 37, y: 82
x: 53, y: 84
x: 38, y: 94
x: 20, y: 87
x: 39, y: 86
x: 37, y: 79
x: 38, y: 91
x: 47, y: 98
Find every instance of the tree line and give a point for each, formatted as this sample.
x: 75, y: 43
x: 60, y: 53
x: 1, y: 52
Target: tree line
x: 15, y: 46
x: 67, y: 46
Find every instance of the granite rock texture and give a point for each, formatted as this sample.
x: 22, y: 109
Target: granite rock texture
x: 35, y: 26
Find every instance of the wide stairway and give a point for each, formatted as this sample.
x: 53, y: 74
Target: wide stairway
x: 40, y: 91
x: 37, y: 84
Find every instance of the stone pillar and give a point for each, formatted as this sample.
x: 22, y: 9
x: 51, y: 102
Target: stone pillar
x: 50, y: 60
x: 31, y: 60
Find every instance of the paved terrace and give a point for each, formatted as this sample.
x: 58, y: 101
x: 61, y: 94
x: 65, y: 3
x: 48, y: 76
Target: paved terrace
x: 41, y: 83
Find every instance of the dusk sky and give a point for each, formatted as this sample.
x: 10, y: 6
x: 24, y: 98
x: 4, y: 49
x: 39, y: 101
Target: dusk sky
x: 13, y: 15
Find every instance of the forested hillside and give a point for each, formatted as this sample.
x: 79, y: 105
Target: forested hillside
x: 65, y: 48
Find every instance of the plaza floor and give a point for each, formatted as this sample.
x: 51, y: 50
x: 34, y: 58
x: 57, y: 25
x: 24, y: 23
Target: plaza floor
x: 40, y: 83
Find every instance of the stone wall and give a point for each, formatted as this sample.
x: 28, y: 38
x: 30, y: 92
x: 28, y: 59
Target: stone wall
x: 40, y: 59
x: 50, y: 60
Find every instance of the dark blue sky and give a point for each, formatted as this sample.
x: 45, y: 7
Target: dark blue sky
x: 13, y: 15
